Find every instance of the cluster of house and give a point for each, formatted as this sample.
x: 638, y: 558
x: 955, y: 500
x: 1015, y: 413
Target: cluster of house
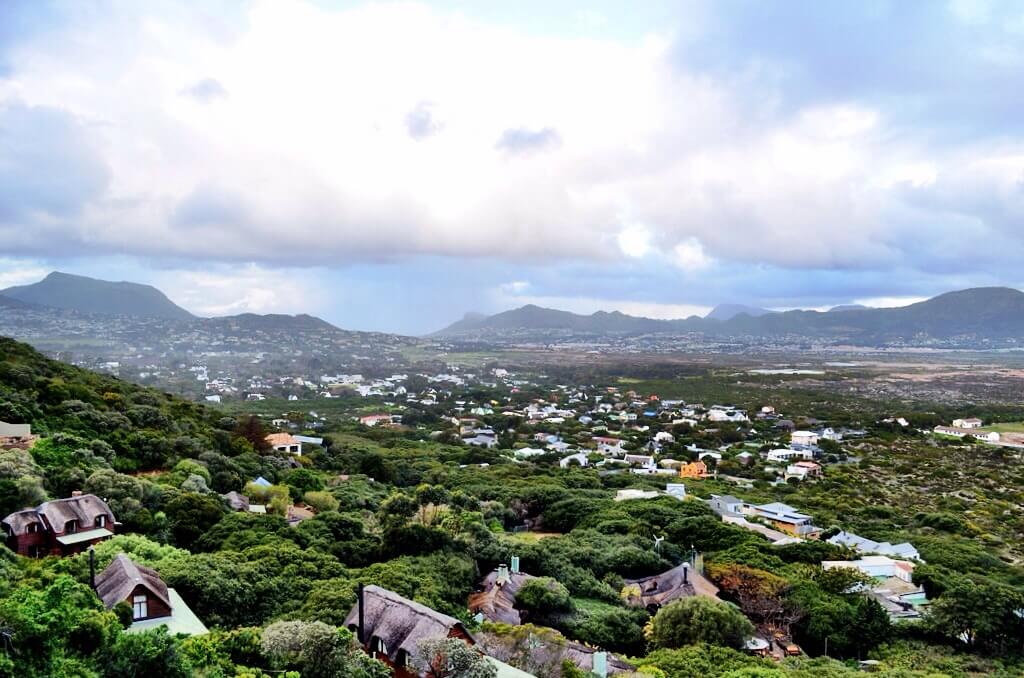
x: 962, y: 428
x: 889, y: 566
x: 495, y: 601
x: 890, y: 580
x: 69, y: 526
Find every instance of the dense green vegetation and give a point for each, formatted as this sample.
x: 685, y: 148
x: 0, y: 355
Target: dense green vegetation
x: 427, y: 518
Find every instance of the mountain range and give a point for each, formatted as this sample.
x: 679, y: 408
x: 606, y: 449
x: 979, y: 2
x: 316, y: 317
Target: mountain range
x: 978, y: 317
x: 967, y: 317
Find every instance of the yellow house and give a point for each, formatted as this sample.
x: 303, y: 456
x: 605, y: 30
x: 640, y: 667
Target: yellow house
x: 695, y: 469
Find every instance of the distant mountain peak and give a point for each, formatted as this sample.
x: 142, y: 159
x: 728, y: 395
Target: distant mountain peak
x: 730, y: 311
x: 90, y: 295
x: 848, y: 307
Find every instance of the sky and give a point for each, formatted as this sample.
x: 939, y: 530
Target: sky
x: 391, y: 165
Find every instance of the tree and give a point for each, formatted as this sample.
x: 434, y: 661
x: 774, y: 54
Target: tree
x: 698, y: 620
x: 318, y: 651
x: 429, y: 498
x: 544, y: 598
x: 761, y: 595
x: 396, y: 510
x: 146, y: 654
x: 452, y: 658
x: 321, y: 501
x: 191, y: 515
x: 251, y: 429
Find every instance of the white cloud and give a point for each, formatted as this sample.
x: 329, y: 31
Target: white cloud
x: 18, y: 272
x: 689, y: 255
x: 889, y: 302
x: 337, y: 135
x: 244, y: 289
x: 634, y: 241
x: 513, y: 288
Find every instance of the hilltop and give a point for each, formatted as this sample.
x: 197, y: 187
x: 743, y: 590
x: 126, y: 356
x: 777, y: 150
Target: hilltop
x: 89, y: 295
x: 730, y: 311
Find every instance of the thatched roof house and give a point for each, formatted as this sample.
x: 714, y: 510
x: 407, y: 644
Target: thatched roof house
x: 659, y: 590
x: 394, y: 626
x: 59, y: 527
x: 497, y: 599
x: 236, y: 501
x: 125, y: 580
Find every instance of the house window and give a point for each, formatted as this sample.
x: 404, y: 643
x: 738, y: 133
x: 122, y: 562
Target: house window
x: 140, y: 608
x: 101, y: 521
x: 71, y: 526
x: 34, y: 551
x: 377, y: 646
x: 33, y: 528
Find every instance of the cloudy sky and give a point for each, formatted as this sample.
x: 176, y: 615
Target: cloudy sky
x: 390, y: 166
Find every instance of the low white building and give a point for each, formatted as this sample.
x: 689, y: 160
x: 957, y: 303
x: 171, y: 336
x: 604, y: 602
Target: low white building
x: 868, y: 546
x: 989, y: 437
x: 971, y: 422
x: 677, y: 490
x: 579, y: 458
x: 626, y: 495
x: 786, y: 454
x: 881, y: 567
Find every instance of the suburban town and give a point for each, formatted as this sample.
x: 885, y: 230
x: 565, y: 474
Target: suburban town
x: 455, y: 339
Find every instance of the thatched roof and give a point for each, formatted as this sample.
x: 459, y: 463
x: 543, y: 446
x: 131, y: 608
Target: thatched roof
x: 682, y: 581
x: 55, y: 514
x: 401, y: 623
x: 237, y: 501
x: 17, y: 523
x: 497, y: 600
x: 122, y: 576
x: 583, y: 657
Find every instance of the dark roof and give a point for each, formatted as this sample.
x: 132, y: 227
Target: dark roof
x: 237, y: 501
x: 680, y: 582
x: 120, y: 578
x: 17, y: 523
x: 497, y: 601
x: 55, y: 514
x: 401, y: 623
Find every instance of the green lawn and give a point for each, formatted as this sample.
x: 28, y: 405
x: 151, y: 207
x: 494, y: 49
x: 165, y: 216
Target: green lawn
x: 1005, y: 427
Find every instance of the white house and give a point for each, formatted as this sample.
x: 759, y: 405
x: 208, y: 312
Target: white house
x: 723, y: 413
x: 626, y: 495
x: 285, y: 443
x: 803, y: 470
x: 579, y: 458
x: 787, y: 454
x: 972, y: 422
x: 883, y: 548
x: 677, y: 490
x: 882, y: 567
x: 804, y: 438
x: 990, y: 437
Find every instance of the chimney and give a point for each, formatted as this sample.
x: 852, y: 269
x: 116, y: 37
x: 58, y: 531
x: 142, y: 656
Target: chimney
x: 92, y: 568
x: 361, y: 631
x: 502, y: 574
x: 515, y: 564
x: 686, y: 574
x: 600, y: 664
